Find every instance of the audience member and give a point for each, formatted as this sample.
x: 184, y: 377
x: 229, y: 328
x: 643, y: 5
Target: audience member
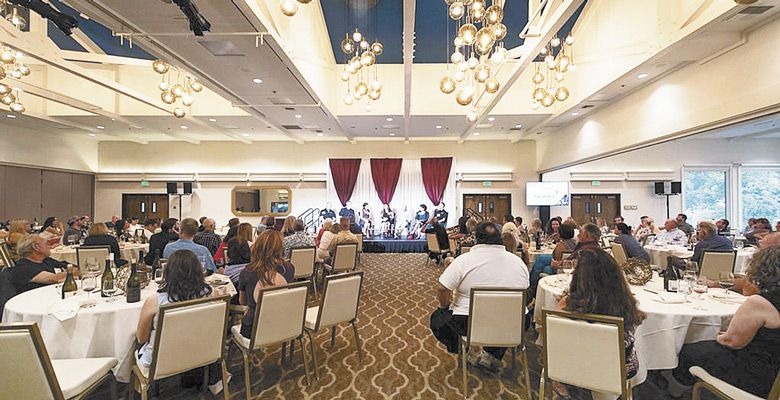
x: 747, y: 355
x: 683, y: 225
x: 630, y: 244
x: 239, y: 251
x: 646, y: 228
x: 760, y: 229
x: 469, y: 239
x: 159, y: 241
x: 326, y: 225
x: 299, y: 238
x: 487, y: 264
x: 18, y: 230
x: 749, y: 227
x: 72, y: 234
x: 343, y: 236
x: 288, y: 228
x: 266, y: 222
x: 123, y: 228
x: 111, y: 224
x: 151, y: 225
x: 708, y: 240
x: 552, y: 229
x: 266, y: 269
x: 441, y: 236
x: 588, y: 239
x: 602, y: 224
x: 510, y: 226
x: 219, y: 256
x: 98, y: 236
x: 233, y: 222
x: 188, y: 228
x: 323, y: 250
x: 723, y: 226
x: 207, y: 237
x: 671, y: 235
x: 619, y: 219
x: 200, y: 223
x: 48, y: 223
x: 35, y: 268
x: 567, y: 244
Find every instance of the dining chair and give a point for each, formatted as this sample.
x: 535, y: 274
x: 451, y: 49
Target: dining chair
x: 359, y: 237
x: 648, y: 239
x: 190, y: 334
x: 619, y: 253
x: 338, y: 304
x: 496, y: 319
x: 28, y: 372
x: 279, y: 318
x: 5, y: 256
x: 464, y: 249
x: 99, y: 252
x: 565, y: 255
x: 715, y: 262
x: 724, y: 390
x: 303, y: 259
x: 344, y: 258
x: 584, y: 350
x: 434, y: 248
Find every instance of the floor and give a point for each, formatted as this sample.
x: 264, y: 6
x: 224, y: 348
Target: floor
x: 402, y: 358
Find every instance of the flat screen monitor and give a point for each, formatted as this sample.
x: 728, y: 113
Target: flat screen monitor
x: 280, y: 207
x: 547, y: 193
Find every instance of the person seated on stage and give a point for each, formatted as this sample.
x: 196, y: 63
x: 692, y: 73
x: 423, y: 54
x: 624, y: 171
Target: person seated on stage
x: 441, y: 236
x: 388, y: 221
x: 422, y: 217
x: 98, y: 236
x: 347, y: 211
x: 365, y: 220
x: 297, y: 239
x: 327, y: 212
x: 326, y: 225
x: 323, y: 249
x: 354, y: 227
x: 630, y: 244
x: 671, y: 234
x: 238, y: 247
x: 158, y: 241
x: 723, y: 226
x: 487, y: 264
x: 708, y: 240
x: 747, y: 355
x: 441, y: 214
x: 35, y: 268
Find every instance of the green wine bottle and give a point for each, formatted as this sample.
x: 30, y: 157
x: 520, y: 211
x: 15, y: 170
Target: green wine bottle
x: 108, y: 276
x: 69, y: 287
x: 133, y: 287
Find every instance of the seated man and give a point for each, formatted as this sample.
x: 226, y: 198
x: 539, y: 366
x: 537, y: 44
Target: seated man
x: 629, y: 242
x: 189, y: 228
x: 682, y: 223
x: 587, y: 239
x: 723, y: 226
x: 207, y: 237
x: 671, y: 234
x: 35, y: 268
x: 709, y: 240
x: 343, y: 237
x: 487, y: 264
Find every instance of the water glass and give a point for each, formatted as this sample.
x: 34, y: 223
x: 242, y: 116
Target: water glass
x: 700, y: 287
x: 89, y: 284
x: 158, y: 276
x: 202, y: 259
x: 109, y: 288
x: 567, y: 266
x: 726, y: 281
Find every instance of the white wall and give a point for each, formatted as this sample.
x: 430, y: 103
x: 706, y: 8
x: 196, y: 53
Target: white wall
x: 57, y: 150
x: 670, y: 156
x: 213, y: 198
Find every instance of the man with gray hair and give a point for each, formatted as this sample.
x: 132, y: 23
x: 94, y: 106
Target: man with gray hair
x: 709, y: 240
x: 672, y: 235
x: 207, y: 237
x: 587, y: 239
x: 189, y: 228
x: 35, y: 268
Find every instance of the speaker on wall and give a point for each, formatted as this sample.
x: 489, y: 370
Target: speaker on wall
x: 187, y: 187
x: 172, y: 189
x: 659, y: 188
x: 676, y: 187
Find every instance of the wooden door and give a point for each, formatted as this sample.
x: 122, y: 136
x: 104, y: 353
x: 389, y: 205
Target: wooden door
x: 489, y: 205
x: 145, y: 206
x: 585, y: 208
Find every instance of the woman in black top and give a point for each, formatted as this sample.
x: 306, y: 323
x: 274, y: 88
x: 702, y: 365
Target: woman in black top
x: 158, y: 241
x: 238, y: 247
x: 98, y: 236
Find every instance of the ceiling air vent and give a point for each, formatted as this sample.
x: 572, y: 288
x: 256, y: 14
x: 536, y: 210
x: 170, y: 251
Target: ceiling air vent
x: 221, y: 48
x: 588, y: 106
x: 755, y: 10
x: 290, y: 108
x: 280, y: 101
x: 291, y: 127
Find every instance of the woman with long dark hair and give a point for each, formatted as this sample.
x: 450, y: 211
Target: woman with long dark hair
x: 266, y: 269
x: 238, y: 247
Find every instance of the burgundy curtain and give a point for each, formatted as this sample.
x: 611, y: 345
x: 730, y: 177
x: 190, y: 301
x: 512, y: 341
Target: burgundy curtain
x: 435, y: 172
x: 385, y: 173
x: 344, y: 172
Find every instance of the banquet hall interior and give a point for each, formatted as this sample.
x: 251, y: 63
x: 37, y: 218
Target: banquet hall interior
x: 376, y: 199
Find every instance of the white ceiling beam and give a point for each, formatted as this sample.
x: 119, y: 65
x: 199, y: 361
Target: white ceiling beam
x: 408, y: 39
x: 182, y: 137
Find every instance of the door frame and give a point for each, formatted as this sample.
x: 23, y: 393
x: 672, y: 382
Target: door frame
x: 463, y: 199
x: 609, y: 221
x: 124, y: 197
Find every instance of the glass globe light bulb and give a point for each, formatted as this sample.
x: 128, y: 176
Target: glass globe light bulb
x: 349, y: 99
x: 535, y: 105
x: 364, y: 44
x: 16, y: 20
x: 559, y: 76
x: 447, y: 85
x: 539, y: 94
x: 377, y: 48
x: 564, y: 61
x: 569, y: 40
x: 468, y: 32
x: 4, y: 89
x: 160, y: 66
x: 374, y: 94
x: 477, y: 15
x: 463, y: 65
x: 472, y: 116
x: 456, y: 57
x: 163, y: 86
x: 187, y: 100
x: 473, y: 62
x: 179, y: 112
x: 477, y: 5
x: 465, y: 95
x: 548, y: 100
x: 555, y: 42
x: 24, y: 70
x: 456, y: 10
x: 376, y: 85
x: 482, y: 73
x: 177, y: 90
x: 498, y: 56
x: 17, y: 107
x: 8, y: 99
x: 459, y: 76
x: 16, y: 74
x: 494, y: 15
x: 499, y: 31
x: 347, y: 45
x: 367, y: 59
x: 492, y: 85
x: 561, y: 94
x: 344, y: 75
x: 167, y: 97
x: 368, y: 106
x: 361, y: 89
x: 196, y: 86
x: 537, y: 78
x: 543, y: 51
x: 288, y: 7
x: 7, y: 56
x: 484, y: 41
x: 357, y: 36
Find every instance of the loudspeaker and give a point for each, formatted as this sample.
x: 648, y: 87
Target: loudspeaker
x: 659, y: 188
x: 187, y: 187
x: 172, y: 189
x: 676, y: 187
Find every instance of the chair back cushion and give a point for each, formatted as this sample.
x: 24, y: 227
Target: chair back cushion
x: 465, y: 249
x: 5, y: 256
x: 99, y: 252
x: 713, y: 263
x: 280, y: 314
x: 344, y: 259
x: 189, y: 336
x: 303, y: 260
x: 619, y: 253
x: 433, y: 243
x: 584, y: 354
x: 340, y: 299
x: 22, y: 367
x: 496, y: 317
x: 359, y: 237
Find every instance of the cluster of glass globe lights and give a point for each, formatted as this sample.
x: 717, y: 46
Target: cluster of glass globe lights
x: 180, y: 90
x: 11, y: 64
x: 361, y: 56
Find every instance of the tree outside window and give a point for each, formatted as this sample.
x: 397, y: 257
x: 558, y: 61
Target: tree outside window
x: 759, y: 194
x: 705, y: 194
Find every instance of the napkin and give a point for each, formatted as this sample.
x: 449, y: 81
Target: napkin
x: 64, y: 310
x: 671, y: 298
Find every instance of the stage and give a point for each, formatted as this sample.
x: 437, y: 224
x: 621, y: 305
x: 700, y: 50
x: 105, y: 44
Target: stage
x: 378, y: 244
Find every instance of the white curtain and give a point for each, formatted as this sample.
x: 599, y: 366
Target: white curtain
x: 409, y: 192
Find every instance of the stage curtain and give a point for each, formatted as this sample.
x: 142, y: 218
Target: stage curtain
x: 385, y: 173
x: 435, y: 174
x: 344, y: 172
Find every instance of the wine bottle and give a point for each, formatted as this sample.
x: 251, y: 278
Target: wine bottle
x: 108, y: 275
x: 133, y: 286
x: 112, y: 263
x: 156, y: 263
x: 538, y: 241
x: 143, y: 269
x: 69, y: 287
x: 671, y: 278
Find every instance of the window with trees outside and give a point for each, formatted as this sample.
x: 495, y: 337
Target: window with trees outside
x: 705, y: 194
x: 759, y: 193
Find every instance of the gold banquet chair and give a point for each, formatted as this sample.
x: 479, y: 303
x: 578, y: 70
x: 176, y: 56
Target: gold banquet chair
x: 619, y: 253
x: 584, y: 350
x: 496, y: 319
x: 344, y: 258
x: 714, y: 262
x: 434, y: 248
x: 724, y: 390
x: 304, y: 259
x: 189, y: 334
x: 28, y: 372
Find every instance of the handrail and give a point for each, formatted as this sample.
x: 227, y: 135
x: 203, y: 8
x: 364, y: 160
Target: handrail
x: 310, y: 218
x: 474, y: 214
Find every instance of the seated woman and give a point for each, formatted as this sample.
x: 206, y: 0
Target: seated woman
x: 35, y: 268
x: 98, y: 236
x: 288, y: 228
x: 566, y: 244
x: 238, y: 247
x: 267, y: 268
x: 468, y: 239
x: 599, y: 287
x: 219, y: 256
x: 747, y: 355
x: 552, y: 229
x: 326, y: 225
x: 183, y: 280
x: 323, y: 250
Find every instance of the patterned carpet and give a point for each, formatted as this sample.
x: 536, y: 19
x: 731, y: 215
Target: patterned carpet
x: 402, y: 360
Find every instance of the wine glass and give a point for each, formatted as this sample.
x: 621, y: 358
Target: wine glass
x: 158, y: 276
x: 726, y: 281
x: 692, y: 266
x: 739, y: 244
x: 202, y: 259
x: 700, y: 287
x: 110, y: 289
x: 568, y: 267
x: 89, y: 284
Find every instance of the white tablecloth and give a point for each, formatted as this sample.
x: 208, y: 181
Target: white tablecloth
x: 128, y: 250
x: 667, y: 327
x: 659, y: 253
x: 533, y: 253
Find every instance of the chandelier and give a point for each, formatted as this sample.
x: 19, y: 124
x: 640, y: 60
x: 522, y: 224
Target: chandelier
x: 479, y: 50
x: 178, y: 92
x: 550, y: 72
x: 360, y: 57
x: 290, y: 7
x: 11, y: 65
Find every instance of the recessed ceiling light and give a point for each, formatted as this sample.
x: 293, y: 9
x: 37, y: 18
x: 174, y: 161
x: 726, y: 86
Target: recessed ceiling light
x: 11, y: 116
x: 491, y: 119
x: 92, y: 135
x: 641, y: 76
x: 100, y: 127
x: 388, y: 119
x: 184, y: 127
x: 257, y: 80
x: 113, y: 119
x: 392, y: 134
x: 212, y: 120
x: 320, y: 134
x: 438, y: 126
x: 299, y: 116
x: 575, y: 114
x: 246, y: 135
x: 476, y: 133
x: 518, y: 126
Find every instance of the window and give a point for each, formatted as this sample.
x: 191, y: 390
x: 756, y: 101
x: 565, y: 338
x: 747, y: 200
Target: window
x: 705, y: 194
x: 759, y: 194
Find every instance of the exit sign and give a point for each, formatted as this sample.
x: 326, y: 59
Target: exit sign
x: 595, y: 183
x: 487, y: 183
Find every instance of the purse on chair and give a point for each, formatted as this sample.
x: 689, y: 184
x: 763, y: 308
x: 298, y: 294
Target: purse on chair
x: 637, y: 271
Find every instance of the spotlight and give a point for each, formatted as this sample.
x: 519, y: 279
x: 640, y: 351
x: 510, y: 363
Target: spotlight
x: 198, y: 23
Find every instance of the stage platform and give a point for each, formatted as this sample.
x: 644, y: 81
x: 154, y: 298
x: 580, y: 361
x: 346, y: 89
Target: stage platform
x: 378, y: 244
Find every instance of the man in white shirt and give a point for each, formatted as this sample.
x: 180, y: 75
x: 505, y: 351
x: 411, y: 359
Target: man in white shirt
x: 672, y: 235
x: 488, y: 264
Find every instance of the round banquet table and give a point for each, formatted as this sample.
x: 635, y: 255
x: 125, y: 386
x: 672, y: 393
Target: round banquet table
x: 105, y: 330
x: 658, y: 254
x: 129, y: 251
x: 667, y: 327
x: 533, y: 253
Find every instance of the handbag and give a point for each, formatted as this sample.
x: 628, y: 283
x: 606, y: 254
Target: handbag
x: 637, y: 271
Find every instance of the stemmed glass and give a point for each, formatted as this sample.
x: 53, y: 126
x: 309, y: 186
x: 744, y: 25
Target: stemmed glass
x: 568, y: 267
x: 726, y: 281
x: 109, y: 288
x: 158, y: 276
x: 89, y: 285
x: 700, y: 287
